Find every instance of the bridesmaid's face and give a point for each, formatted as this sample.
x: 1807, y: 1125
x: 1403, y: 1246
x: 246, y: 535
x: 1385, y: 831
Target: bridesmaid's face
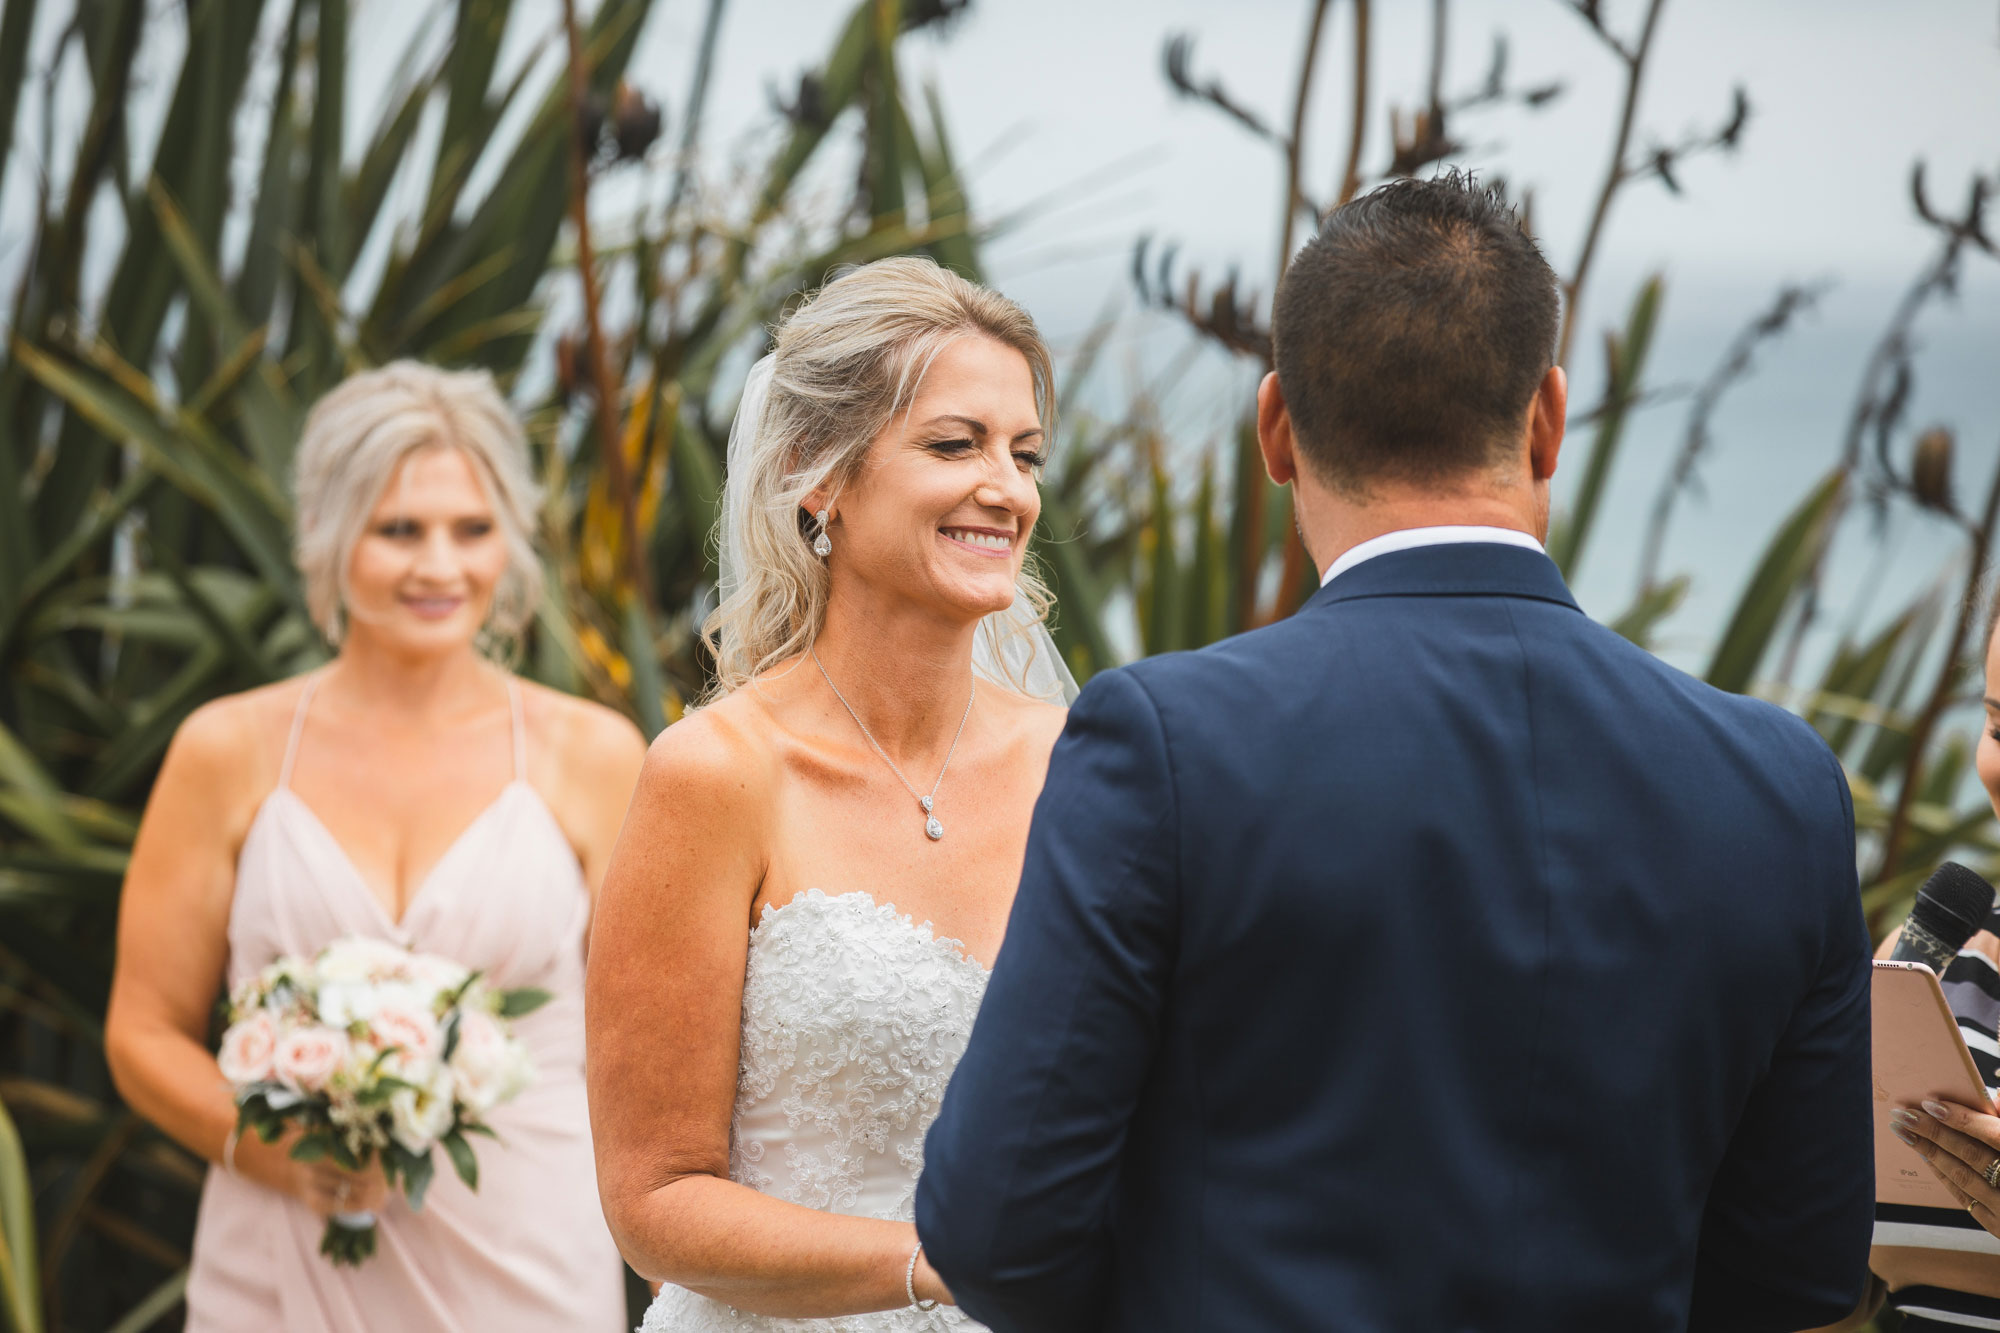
x: 947, y: 497
x: 424, y: 569
x: 1988, y: 753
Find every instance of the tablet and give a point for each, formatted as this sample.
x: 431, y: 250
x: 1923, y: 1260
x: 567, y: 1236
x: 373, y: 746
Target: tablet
x: 1918, y: 1054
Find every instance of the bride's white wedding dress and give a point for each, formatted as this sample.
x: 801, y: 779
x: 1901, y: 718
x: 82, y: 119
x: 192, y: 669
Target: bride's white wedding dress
x: 853, y: 1019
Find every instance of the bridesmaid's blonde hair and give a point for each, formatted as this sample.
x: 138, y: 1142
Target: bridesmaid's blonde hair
x: 353, y: 442
x: 846, y: 362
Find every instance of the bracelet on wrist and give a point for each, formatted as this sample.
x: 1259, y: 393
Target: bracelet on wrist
x: 910, y: 1281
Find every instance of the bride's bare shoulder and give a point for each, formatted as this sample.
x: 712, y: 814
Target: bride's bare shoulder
x: 718, y: 757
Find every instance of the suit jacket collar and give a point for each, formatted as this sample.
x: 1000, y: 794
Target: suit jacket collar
x: 1460, y: 569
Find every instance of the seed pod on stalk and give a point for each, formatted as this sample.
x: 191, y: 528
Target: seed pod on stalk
x: 1930, y: 470
x: 635, y: 123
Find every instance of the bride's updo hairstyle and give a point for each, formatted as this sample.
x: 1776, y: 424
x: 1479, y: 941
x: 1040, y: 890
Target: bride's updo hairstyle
x: 846, y: 362
x: 355, y: 438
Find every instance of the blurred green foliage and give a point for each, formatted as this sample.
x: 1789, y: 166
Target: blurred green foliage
x: 176, y: 317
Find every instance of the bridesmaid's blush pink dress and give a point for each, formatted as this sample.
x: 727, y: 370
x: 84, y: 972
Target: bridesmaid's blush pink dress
x: 529, y: 1250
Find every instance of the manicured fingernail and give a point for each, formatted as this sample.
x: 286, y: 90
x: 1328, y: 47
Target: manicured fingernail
x: 1904, y: 1135
x: 1903, y: 1118
x: 1936, y: 1111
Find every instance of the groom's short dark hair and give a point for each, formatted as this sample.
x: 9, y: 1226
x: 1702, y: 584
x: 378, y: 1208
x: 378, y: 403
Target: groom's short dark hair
x: 1412, y: 332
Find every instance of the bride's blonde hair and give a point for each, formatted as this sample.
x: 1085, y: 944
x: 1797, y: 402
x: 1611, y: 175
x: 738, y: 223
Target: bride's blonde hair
x: 846, y: 362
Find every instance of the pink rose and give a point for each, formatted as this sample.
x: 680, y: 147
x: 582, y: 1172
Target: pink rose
x: 247, y: 1048
x: 413, y: 1032
x: 307, y: 1058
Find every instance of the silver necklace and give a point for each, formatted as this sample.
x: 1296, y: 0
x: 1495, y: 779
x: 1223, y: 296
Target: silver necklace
x: 933, y: 829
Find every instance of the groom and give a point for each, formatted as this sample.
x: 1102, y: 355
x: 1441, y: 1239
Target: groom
x: 1434, y: 959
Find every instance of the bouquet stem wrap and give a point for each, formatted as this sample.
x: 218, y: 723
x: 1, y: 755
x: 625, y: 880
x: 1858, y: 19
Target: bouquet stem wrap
x: 349, y: 1238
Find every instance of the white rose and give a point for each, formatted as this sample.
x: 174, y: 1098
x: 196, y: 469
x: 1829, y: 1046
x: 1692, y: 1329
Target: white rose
x: 436, y: 975
x: 247, y: 1048
x: 419, y: 1117
x: 360, y: 958
x: 344, y: 1003
x: 404, y: 995
x: 491, y: 1067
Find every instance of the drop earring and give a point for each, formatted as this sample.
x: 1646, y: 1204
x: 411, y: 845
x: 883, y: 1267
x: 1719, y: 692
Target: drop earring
x: 822, y: 544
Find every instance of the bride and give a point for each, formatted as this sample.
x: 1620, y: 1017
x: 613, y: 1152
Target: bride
x: 816, y: 870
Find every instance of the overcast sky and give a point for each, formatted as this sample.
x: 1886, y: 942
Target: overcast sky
x: 1065, y: 98
x: 1846, y: 94
x: 1064, y: 101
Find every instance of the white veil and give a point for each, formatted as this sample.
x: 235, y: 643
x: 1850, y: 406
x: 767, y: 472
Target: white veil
x: 1012, y: 648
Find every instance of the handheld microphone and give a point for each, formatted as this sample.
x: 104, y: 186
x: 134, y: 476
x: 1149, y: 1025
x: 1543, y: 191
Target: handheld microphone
x: 1951, y: 907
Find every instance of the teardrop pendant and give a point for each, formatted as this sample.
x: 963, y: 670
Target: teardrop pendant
x: 822, y: 546
x: 933, y: 830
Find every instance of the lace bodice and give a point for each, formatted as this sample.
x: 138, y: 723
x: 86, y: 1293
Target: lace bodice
x: 853, y: 1019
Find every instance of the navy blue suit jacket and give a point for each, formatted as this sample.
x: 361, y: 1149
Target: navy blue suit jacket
x: 1432, y: 960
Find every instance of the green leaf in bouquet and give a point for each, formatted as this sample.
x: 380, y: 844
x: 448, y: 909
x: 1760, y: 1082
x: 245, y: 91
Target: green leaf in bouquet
x: 385, y: 1087
x: 478, y: 1127
x: 343, y: 1155
x: 269, y: 1125
x: 375, y: 1065
x: 450, y: 1035
x: 462, y: 1159
x: 417, y: 1173
x: 314, y: 1148
x: 256, y: 1113
x: 517, y: 1003
x: 396, y: 1161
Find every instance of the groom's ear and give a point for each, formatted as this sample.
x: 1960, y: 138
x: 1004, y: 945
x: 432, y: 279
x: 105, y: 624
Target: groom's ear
x: 1274, y: 432
x: 1547, y: 416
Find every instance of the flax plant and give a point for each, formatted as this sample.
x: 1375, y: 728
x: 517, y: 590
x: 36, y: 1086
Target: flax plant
x: 275, y: 240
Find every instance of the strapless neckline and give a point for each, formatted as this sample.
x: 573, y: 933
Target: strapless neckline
x: 854, y: 1017
x: 953, y: 948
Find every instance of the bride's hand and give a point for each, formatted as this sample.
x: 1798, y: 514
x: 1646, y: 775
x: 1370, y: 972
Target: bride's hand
x: 1962, y: 1147
x: 929, y: 1286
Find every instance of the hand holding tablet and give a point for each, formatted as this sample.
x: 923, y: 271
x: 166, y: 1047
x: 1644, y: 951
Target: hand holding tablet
x: 1937, y: 1141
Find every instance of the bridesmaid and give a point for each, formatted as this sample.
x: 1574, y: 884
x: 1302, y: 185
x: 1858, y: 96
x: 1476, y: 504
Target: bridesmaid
x: 412, y: 791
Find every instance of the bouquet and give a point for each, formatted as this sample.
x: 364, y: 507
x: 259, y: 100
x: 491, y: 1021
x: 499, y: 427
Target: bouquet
x: 374, y: 1052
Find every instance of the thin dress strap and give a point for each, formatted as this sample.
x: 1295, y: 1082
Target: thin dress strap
x: 520, y: 730
x: 298, y: 725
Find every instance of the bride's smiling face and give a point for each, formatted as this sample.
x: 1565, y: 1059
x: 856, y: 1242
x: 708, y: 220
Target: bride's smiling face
x: 946, y: 498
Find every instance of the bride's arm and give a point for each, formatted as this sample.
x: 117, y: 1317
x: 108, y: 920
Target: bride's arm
x: 664, y: 1001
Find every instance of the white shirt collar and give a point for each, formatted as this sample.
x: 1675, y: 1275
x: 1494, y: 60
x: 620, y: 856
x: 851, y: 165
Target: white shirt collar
x: 1410, y: 538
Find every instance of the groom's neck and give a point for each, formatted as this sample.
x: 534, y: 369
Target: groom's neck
x: 1334, y: 522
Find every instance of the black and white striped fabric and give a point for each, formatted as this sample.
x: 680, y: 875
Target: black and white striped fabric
x: 1972, y: 988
